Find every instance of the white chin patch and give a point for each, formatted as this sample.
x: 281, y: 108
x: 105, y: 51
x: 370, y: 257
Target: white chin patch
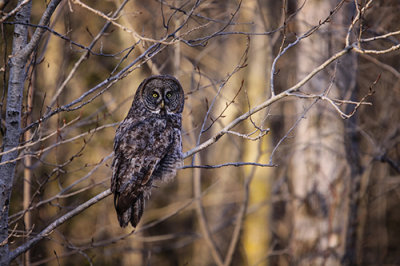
x: 155, y: 111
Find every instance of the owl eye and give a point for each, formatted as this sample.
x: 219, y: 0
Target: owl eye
x: 169, y: 95
x: 155, y: 95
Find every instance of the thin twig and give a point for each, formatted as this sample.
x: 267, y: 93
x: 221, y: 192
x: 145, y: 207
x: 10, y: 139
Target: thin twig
x: 14, y: 11
x: 24, y: 247
x: 266, y: 103
x: 236, y: 164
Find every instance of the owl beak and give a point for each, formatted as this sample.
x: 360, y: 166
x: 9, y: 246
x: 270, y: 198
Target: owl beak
x: 162, y: 105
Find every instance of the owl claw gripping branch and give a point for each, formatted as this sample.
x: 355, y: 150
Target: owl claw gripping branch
x: 147, y: 145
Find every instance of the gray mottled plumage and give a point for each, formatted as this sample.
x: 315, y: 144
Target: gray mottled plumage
x: 147, y: 145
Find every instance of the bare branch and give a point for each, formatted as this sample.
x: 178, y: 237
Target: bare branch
x: 36, y: 37
x: 16, y: 252
x: 265, y: 104
x: 236, y: 164
x: 14, y: 11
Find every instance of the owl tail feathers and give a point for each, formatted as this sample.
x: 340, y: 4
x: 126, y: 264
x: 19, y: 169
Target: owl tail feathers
x: 131, y: 214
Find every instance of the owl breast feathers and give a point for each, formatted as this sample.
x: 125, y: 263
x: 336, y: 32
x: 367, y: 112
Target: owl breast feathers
x: 147, y: 145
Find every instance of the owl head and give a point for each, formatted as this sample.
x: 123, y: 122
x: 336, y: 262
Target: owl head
x: 161, y: 94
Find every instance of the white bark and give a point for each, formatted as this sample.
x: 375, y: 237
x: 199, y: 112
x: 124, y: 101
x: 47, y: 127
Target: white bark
x: 21, y: 51
x: 319, y: 166
x: 13, y: 123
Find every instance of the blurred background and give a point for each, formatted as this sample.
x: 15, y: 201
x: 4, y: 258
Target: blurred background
x: 312, y: 179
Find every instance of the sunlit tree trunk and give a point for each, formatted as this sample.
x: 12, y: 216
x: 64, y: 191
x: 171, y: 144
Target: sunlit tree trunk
x: 256, y: 233
x: 218, y: 205
x: 28, y: 171
x: 319, y: 167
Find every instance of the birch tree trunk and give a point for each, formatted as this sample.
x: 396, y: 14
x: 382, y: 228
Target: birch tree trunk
x: 13, y: 122
x: 320, y: 170
x: 21, y: 51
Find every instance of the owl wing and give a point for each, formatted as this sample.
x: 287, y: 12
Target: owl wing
x: 167, y: 167
x: 139, y: 148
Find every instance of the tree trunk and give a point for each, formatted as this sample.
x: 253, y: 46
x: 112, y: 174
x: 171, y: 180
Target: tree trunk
x: 256, y: 236
x: 13, y: 122
x: 320, y: 170
x: 21, y: 51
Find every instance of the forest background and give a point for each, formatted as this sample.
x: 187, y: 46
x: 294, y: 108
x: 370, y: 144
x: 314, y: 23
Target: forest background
x: 290, y: 131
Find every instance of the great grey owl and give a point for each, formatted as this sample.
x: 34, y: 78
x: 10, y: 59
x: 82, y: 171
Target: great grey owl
x: 147, y: 145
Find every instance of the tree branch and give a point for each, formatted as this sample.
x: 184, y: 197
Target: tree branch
x: 27, y: 50
x: 16, y: 252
